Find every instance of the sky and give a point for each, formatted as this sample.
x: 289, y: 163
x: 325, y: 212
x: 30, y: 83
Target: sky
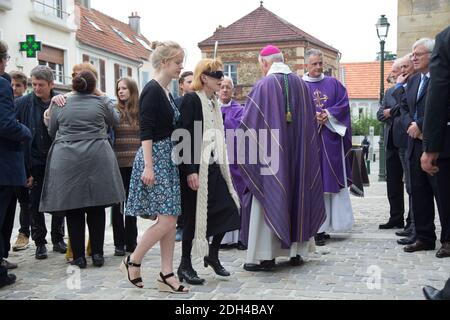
x: 347, y: 25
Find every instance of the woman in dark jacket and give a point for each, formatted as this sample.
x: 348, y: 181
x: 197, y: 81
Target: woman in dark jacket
x: 209, y: 200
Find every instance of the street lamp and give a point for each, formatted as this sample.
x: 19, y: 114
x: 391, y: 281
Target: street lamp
x: 382, y: 32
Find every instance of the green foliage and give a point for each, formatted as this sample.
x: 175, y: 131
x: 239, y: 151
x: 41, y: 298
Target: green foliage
x: 360, y: 127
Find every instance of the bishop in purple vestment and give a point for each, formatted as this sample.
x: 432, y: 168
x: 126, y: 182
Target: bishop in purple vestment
x: 335, y: 134
x: 286, y: 207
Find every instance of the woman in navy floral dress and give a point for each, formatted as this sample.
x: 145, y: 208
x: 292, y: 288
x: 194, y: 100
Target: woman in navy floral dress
x: 155, y: 184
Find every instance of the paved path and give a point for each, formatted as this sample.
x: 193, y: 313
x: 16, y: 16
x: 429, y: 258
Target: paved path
x: 366, y: 264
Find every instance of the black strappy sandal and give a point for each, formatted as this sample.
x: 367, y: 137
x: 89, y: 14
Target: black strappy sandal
x: 124, y: 268
x: 164, y: 286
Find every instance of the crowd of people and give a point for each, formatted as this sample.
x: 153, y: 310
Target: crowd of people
x: 404, y: 112
x: 182, y: 163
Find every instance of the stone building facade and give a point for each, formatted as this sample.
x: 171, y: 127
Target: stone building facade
x: 240, y: 43
x: 418, y: 19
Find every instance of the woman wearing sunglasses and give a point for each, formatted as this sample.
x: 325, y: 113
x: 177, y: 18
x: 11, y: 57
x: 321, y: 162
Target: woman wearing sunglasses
x: 208, y: 199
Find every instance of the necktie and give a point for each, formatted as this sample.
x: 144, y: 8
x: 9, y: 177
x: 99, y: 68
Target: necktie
x: 423, y: 84
x: 422, y: 87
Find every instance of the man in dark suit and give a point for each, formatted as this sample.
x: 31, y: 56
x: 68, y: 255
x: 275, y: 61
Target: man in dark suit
x: 401, y: 141
x: 12, y: 169
x: 30, y: 111
x: 389, y: 113
x: 423, y: 186
x: 436, y: 135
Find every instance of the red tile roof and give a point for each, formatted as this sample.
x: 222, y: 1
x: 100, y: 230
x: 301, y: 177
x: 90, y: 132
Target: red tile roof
x: 362, y: 79
x: 261, y: 26
x: 107, y: 39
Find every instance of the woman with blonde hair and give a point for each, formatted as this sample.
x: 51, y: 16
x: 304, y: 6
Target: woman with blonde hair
x: 126, y: 145
x: 209, y: 201
x: 155, y: 182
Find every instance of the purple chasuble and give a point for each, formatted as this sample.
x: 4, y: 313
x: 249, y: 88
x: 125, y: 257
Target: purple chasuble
x: 292, y: 196
x: 331, y: 95
x: 232, y: 116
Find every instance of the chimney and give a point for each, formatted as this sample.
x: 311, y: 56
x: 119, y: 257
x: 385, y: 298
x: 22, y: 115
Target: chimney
x: 135, y: 22
x: 86, y: 4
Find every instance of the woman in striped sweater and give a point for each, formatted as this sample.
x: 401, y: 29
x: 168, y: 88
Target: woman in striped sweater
x: 126, y: 144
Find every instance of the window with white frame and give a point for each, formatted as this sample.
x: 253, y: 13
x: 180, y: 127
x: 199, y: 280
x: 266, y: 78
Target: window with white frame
x: 230, y: 70
x: 95, y: 62
x: 51, y: 7
x: 58, y: 70
x: 123, y: 71
x: 53, y: 58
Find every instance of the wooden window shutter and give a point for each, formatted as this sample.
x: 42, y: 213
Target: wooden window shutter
x: 116, y: 72
x: 130, y: 72
x: 102, y: 76
x: 52, y: 55
x: 85, y: 58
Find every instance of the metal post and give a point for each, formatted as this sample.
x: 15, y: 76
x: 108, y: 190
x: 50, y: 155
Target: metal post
x: 382, y: 173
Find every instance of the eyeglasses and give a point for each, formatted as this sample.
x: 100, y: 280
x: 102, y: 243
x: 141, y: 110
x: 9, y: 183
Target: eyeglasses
x: 216, y: 74
x: 419, y: 54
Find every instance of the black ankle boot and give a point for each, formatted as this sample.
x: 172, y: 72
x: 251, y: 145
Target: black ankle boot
x: 80, y: 263
x: 215, y: 264
x: 186, y: 272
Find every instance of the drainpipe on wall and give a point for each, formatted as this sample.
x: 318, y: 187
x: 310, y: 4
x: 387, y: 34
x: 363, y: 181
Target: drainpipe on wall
x: 139, y: 74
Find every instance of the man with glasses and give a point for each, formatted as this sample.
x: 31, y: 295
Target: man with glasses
x: 423, y: 187
x: 12, y: 169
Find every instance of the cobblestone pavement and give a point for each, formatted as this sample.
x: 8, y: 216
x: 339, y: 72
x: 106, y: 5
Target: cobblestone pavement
x: 365, y: 264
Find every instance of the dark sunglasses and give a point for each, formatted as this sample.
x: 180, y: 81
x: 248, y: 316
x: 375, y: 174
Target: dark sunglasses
x: 216, y: 74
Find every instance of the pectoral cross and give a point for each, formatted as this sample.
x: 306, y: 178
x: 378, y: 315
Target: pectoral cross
x: 318, y: 98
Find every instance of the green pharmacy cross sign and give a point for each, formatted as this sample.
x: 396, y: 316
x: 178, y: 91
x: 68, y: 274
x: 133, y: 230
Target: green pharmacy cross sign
x: 31, y: 46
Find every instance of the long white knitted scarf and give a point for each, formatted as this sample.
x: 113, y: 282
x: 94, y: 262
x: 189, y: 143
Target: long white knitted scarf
x: 213, y: 136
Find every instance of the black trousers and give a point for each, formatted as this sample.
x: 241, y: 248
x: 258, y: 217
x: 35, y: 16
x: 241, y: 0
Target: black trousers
x: 424, y: 189
x: 366, y: 153
x: 6, y: 195
x: 38, y: 228
x: 8, y: 226
x: 23, y: 196
x: 395, y: 185
x: 124, y: 232
x: 76, y: 225
x: 443, y: 197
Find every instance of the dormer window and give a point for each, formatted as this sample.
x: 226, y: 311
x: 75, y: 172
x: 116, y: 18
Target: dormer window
x: 122, y: 35
x: 144, y: 44
x: 94, y: 24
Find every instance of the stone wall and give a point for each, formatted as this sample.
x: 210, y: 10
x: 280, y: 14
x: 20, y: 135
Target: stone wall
x: 418, y: 19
